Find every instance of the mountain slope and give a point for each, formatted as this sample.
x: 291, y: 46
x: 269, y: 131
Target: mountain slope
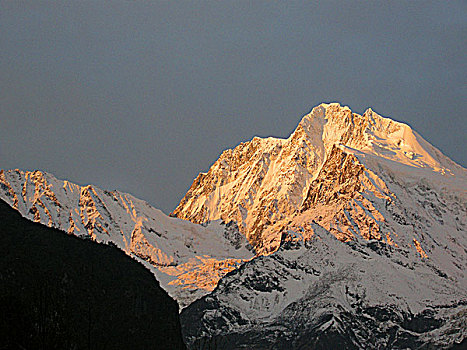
x: 325, y: 294
x: 59, y: 292
x: 261, y: 184
x: 369, y: 254
x: 188, y: 259
x: 359, y: 224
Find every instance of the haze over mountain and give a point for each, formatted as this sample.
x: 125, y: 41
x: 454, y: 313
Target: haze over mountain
x: 359, y: 223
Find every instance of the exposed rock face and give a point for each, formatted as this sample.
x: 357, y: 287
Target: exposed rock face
x: 332, y: 159
x: 372, y: 256
x: 359, y: 224
x: 325, y: 294
x: 188, y: 259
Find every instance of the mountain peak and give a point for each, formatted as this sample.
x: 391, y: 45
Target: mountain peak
x: 260, y: 184
x: 331, y: 124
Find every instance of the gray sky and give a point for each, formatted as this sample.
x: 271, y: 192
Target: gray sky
x: 141, y: 96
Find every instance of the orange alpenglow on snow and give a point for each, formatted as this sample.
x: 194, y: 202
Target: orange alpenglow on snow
x: 360, y: 178
x: 336, y: 170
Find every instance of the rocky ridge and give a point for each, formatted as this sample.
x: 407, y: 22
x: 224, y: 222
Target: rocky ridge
x: 263, y: 183
x: 359, y: 224
x: 370, y: 254
x: 188, y: 259
x: 325, y: 294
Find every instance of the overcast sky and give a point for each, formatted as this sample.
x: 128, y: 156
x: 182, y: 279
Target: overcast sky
x: 142, y: 96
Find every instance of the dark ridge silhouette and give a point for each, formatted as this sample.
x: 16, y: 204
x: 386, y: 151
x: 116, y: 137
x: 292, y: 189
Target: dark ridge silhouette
x: 62, y: 292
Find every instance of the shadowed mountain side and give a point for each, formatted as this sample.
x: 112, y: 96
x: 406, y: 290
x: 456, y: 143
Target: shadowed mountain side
x: 62, y: 292
x: 323, y: 294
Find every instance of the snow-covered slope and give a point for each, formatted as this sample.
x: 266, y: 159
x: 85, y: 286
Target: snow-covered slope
x: 325, y: 294
x: 371, y: 221
x: 188, y: 259
x: 360, y: 224
x: 262, y: 183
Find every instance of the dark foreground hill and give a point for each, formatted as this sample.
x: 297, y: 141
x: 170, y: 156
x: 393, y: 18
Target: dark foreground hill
x: 62, y: 292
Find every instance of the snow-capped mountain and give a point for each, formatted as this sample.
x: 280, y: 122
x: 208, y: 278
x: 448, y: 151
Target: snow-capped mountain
x: 264, y: 183
x: 371, y: 221
x: 359, y: 227
x: 188, y: 259
x: 325, y: 294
